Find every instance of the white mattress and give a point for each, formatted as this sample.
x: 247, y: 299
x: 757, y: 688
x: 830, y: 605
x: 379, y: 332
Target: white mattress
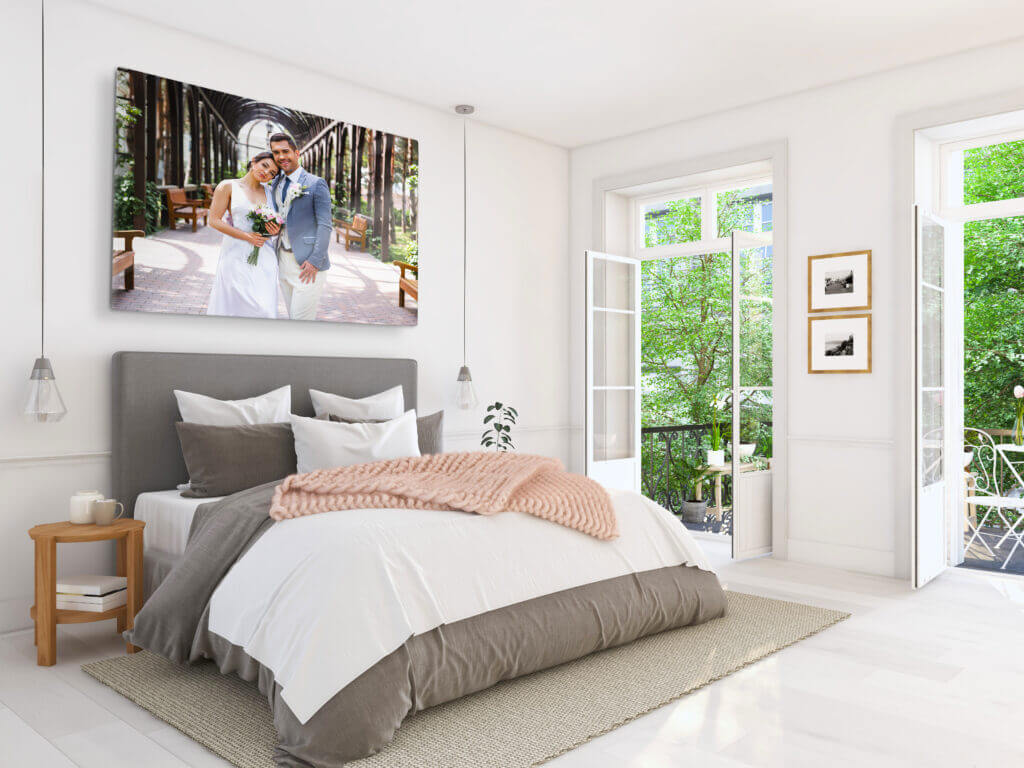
x: 168, y: 516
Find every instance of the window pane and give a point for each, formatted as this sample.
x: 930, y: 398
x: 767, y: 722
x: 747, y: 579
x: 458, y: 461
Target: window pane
x: 994, y: 172
x: 931, y: 437
x: 755, y: 428
x: 613, y: 284
x: 748, y: 209
x: 614, y: 349
x: 931, y: 337
x: 670, y: 223
x: 613, y: 424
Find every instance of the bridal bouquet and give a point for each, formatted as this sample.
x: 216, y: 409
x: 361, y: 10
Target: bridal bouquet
x: 260, y: 217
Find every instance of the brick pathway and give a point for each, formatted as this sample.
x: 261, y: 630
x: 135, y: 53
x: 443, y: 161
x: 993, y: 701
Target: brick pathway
x: 174, y: 272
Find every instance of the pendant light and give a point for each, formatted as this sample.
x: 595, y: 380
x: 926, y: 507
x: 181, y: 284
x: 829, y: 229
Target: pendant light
x: 465, y: 396
x: 44, y: 402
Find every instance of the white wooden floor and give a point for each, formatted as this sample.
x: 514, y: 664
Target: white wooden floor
x: 933, y: 678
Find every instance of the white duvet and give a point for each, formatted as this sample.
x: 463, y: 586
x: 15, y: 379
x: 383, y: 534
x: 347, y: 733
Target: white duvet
x: 321, y: 599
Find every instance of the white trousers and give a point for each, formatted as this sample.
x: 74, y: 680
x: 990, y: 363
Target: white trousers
x: 301, y: 299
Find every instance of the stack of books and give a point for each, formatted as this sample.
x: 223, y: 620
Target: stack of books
x: 91, y: 593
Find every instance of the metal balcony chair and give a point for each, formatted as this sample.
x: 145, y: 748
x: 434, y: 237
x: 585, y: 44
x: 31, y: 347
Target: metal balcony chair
x: 988, y: 492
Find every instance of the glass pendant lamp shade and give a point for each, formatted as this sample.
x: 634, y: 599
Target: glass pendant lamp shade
x: 465, y: 396
x: 44, y: 402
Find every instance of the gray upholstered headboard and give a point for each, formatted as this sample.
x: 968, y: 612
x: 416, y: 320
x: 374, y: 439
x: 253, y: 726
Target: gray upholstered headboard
x: 146, y: 455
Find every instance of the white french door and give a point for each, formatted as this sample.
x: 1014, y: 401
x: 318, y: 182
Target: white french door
x: 752, y: 390
x: 932, y: 434
x: 612, y: 430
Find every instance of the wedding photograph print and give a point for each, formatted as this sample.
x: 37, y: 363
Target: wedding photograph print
x: 230, y: 206
x: 839, y: 281
x: 839, y: 344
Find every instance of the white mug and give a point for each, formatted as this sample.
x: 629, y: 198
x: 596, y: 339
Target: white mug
x: 103, y: 511
x: 80, y: 507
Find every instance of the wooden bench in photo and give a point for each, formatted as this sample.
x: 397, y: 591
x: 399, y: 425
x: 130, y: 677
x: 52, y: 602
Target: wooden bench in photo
x: 409, y: 284
x: 354, y: 231
x: 124, y: 258
x: 180, y: 207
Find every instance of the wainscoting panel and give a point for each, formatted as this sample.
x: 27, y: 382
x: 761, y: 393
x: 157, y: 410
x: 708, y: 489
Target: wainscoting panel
x: 841, y: 502
x: 36, y: 490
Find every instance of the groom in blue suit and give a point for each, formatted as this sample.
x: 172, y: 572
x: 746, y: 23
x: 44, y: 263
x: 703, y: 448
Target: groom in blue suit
x: 302, y: 258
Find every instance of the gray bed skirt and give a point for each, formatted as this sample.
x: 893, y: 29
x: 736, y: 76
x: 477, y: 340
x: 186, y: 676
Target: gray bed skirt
x: 457, y: 659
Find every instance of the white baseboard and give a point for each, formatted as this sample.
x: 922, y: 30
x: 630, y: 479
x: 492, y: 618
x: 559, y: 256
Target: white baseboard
x: 14, y: 614
x: 874, y: 561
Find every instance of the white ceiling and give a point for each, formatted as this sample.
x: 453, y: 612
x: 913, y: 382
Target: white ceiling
x: 572, y: 72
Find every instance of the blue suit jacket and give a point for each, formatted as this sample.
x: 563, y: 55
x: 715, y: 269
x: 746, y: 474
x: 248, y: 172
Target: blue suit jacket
x: 309, y: 220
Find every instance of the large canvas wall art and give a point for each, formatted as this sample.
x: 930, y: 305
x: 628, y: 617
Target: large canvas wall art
x: 230, y: 206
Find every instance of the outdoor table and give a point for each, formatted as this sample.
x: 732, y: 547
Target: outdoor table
x: 719, y: 471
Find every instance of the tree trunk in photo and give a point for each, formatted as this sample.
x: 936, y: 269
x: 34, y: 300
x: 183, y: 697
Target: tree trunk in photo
x: 208, y: 145
x: 378, y: 177
x: 193, y: 136
x: 150, y: 119
x: 175, y: 173
x: 138, y: 145
x: 414, y: 159
x: 339, y: 164
x: 371, y: 180
x: 387, y: 184
x: 218, y: 163
x: 405, y: 174
x: 358, y: 147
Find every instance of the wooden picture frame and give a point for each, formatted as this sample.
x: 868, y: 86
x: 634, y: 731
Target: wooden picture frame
x: 853, y: 293
x: 825, y: 332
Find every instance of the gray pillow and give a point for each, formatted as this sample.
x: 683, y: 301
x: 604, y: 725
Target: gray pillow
x: 225, y: 460
x: 428, y: 430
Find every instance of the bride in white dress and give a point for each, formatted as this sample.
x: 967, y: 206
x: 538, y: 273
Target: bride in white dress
x: 241, y: 289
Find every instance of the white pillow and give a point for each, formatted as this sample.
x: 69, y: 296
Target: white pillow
x: 389, y: 404
x: 272, y: 408
x: 323, y: 444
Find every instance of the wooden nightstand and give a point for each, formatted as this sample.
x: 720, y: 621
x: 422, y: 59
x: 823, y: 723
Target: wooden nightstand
x: 128, y: 534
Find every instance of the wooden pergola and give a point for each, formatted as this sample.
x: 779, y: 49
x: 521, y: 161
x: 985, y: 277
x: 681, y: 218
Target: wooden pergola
x: 358, y: 163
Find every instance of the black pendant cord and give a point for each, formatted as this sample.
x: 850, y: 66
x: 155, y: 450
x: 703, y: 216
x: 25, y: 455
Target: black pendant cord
x: 42, y: 163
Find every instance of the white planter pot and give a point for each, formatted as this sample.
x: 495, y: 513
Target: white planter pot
x: 716, y: 458
x: 746, y: 450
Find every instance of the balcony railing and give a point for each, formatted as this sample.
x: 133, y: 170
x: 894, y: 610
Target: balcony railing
x: 667, y: 454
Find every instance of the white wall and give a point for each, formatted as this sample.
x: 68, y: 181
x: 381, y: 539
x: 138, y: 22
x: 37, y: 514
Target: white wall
x: 518, y: 338
x: 849, y: 501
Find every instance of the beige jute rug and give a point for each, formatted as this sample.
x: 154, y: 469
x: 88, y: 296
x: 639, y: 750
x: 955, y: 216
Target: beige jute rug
x: 515, y: 724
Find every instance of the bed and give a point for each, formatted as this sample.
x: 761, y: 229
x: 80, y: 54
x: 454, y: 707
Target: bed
x: 168, y: 517
x: 351, y: 620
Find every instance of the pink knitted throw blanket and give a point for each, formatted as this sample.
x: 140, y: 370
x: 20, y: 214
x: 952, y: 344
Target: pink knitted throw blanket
x: 484, y: 483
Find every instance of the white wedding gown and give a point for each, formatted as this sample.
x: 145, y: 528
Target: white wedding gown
x: 241, y: 289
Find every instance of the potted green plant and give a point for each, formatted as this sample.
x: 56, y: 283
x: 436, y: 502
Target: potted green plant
x: 716, y: 453
x: 499, y: 421
x: 748, y: 437
x: 693, y: 510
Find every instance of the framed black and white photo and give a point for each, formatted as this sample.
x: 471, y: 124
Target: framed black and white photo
x: 839, y: 344
x: 839, y: 281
